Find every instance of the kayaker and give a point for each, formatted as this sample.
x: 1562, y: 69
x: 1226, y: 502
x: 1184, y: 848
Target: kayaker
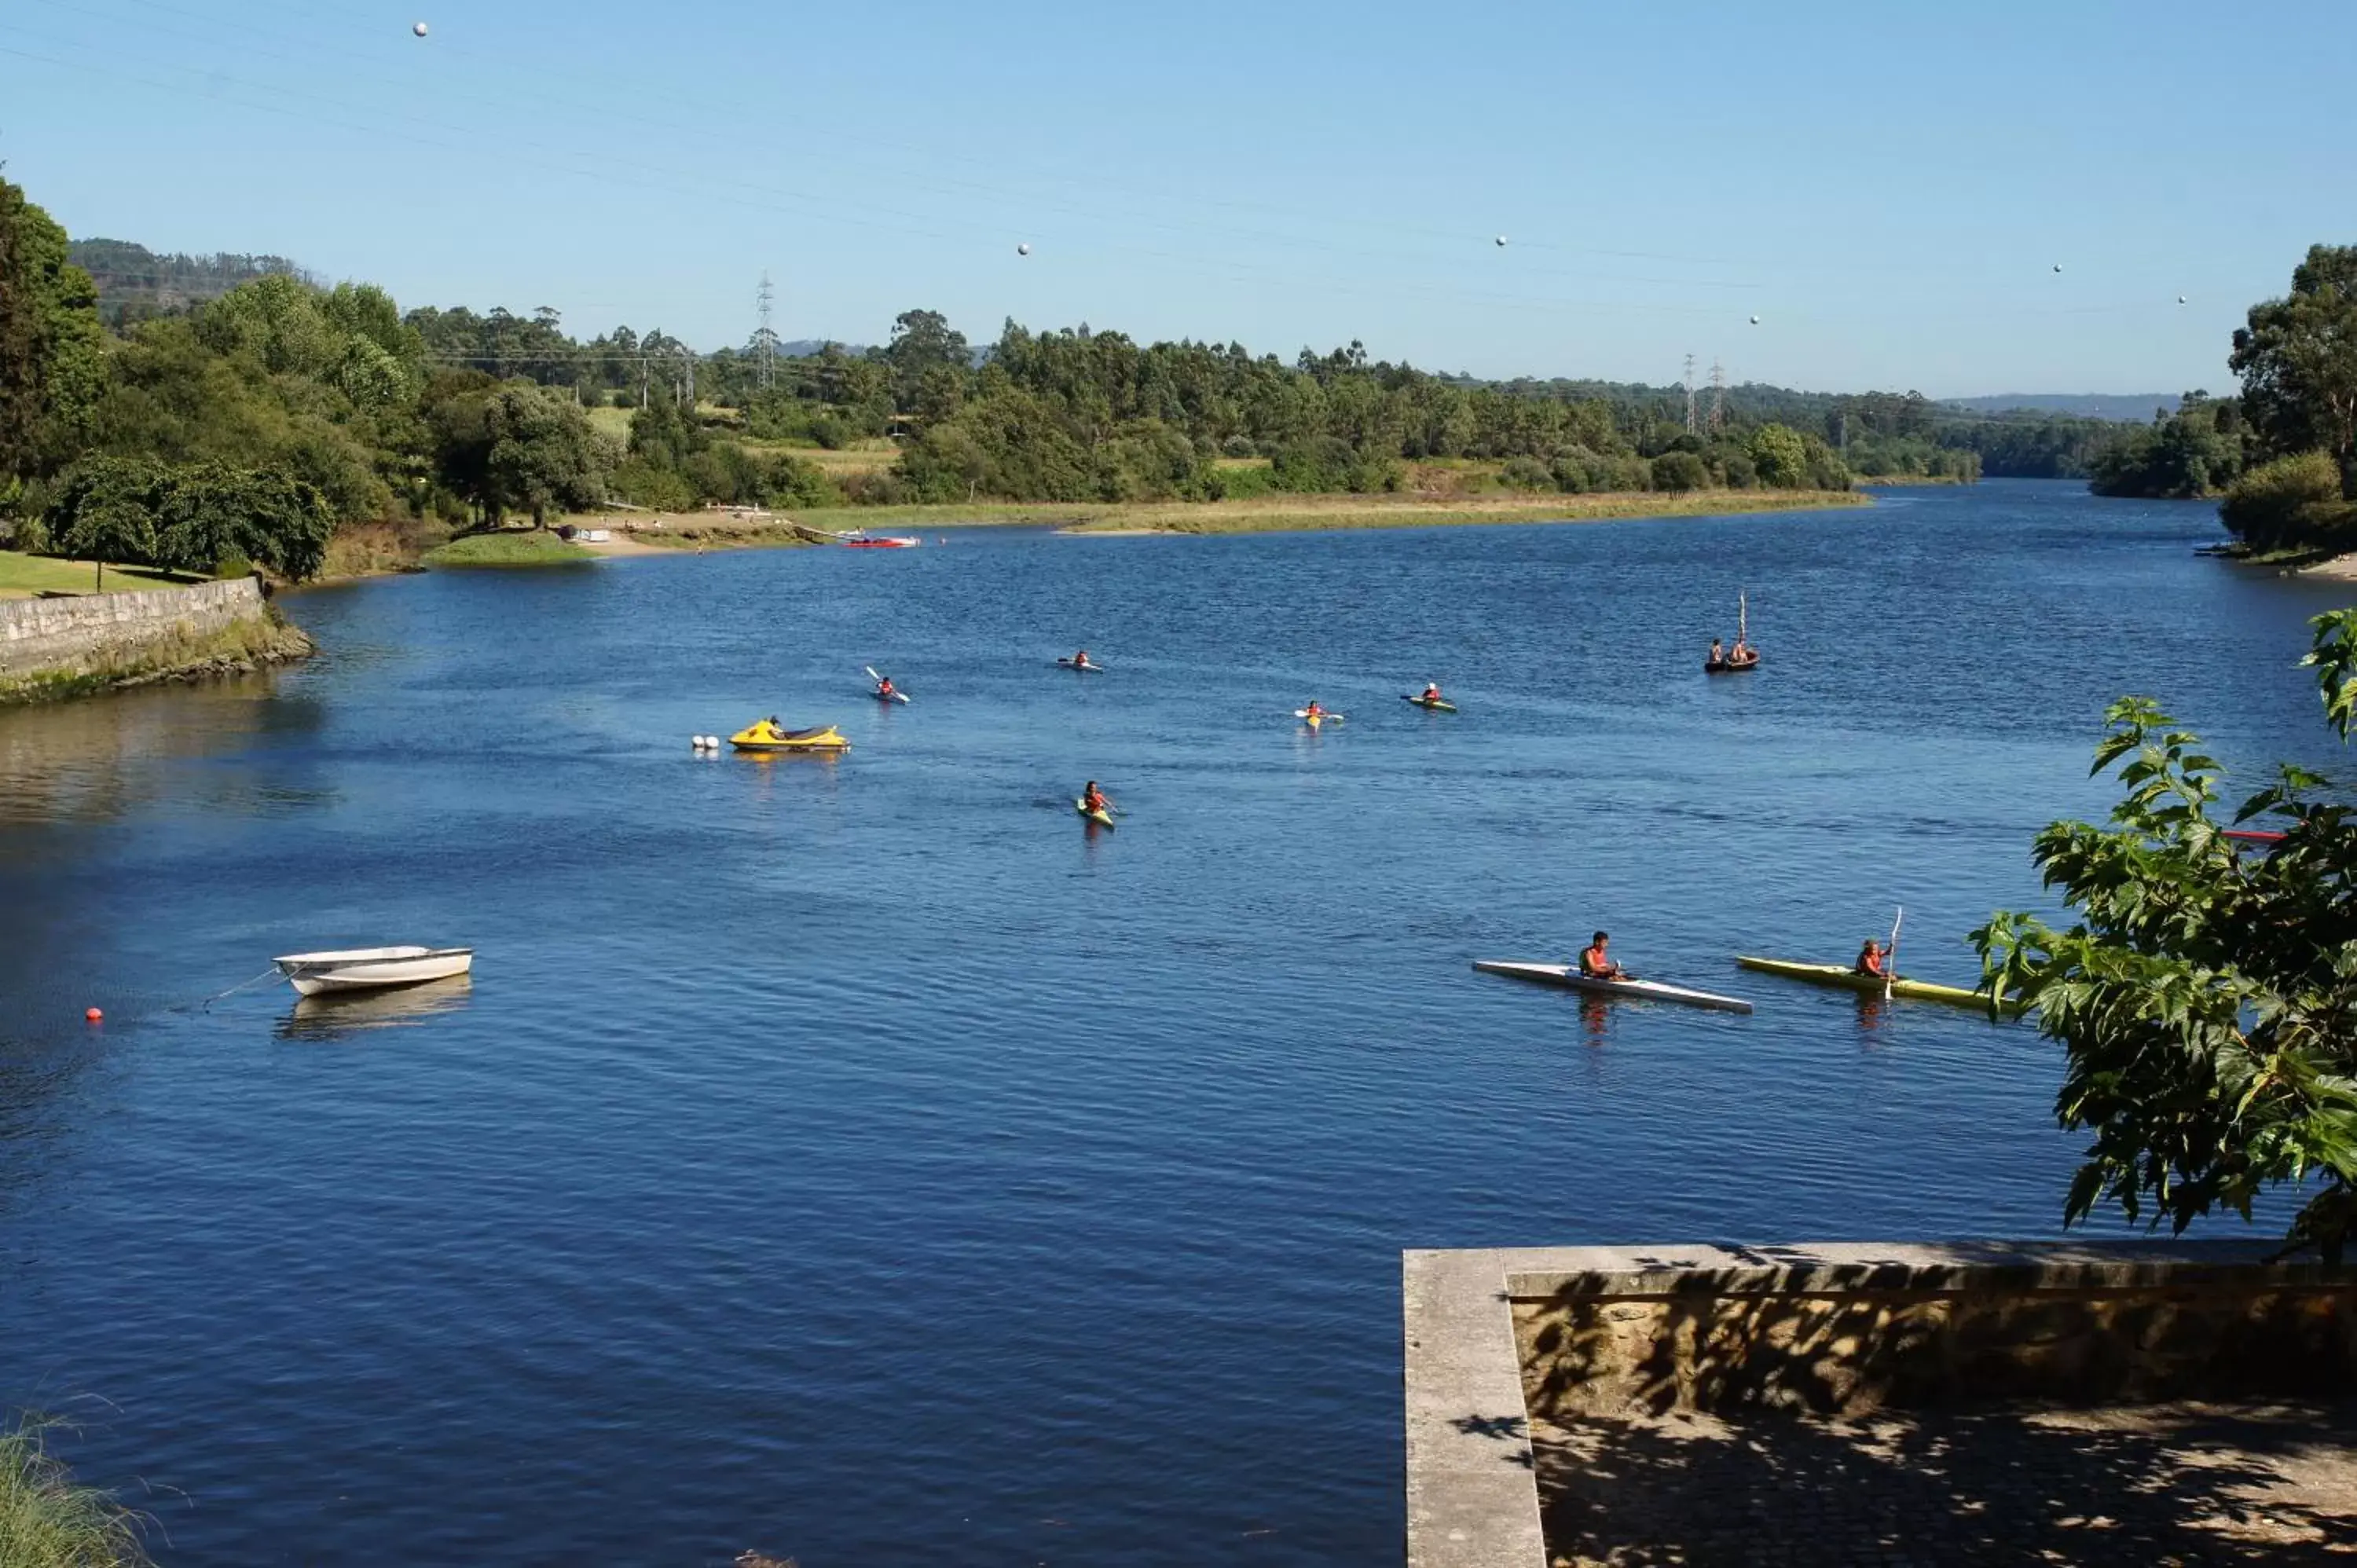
x: 1596, y: 963
x: 1081, y: 659
x: 884, y: 687
x: 1874, y: 959
x: 1718, y: 652
x: 1431, y: 692
x: 1094, y: 800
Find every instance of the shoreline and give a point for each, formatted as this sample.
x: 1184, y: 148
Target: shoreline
x: 1318, y: 514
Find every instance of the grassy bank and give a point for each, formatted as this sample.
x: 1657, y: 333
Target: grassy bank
x: 508, y: 547
x: 1273, y: 514
x: 47, y: 1521
x: 236, y: 649
x: 22, y: 576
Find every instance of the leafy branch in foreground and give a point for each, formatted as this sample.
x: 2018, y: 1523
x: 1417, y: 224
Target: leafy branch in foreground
x: 2207, y: 998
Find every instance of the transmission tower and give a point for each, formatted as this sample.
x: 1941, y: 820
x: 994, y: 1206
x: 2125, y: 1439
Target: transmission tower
x: 765, y: 339
x: 1690, y: 395
x: 1717, y: 397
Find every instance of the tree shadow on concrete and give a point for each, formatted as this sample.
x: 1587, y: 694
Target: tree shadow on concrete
x: 2137, y: 1487
x: 1719, y: 1427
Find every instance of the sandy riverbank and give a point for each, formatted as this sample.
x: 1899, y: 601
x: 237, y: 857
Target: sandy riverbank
x: 2339, y: 569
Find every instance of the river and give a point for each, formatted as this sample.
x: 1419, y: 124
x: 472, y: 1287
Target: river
x: 864, y: 1160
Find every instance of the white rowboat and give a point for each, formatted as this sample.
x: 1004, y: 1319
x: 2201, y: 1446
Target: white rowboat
x: 1568, y: 975
x: 368, y: 969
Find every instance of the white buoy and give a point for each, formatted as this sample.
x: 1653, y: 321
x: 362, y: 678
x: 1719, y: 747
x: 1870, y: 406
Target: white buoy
x: 1024, y: 249
x: 418, y: 28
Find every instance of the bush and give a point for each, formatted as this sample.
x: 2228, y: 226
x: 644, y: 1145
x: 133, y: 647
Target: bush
x: 2291, y: 502
x: 1680, y: 471
x: 1527, y: 474
x: 1239, y: 446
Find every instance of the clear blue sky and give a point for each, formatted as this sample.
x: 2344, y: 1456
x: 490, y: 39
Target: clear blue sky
x: 1888, y: 187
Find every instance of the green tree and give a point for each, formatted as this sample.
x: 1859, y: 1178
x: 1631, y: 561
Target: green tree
x: 1781, y: 456
x: 105, y: 511
x: 922, y: 340
x: 2297, y: 360
x: 1680, y: 471
x: 2206, y: 1000
x: 52, y: 349
x: 544, y: 453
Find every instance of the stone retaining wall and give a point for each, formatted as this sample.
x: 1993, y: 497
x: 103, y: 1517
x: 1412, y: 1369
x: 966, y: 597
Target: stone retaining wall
x: 91, y: 631
x: 1938, y: 1326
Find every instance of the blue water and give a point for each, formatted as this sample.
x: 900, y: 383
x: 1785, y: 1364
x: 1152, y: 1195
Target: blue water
x: 863, y: 1160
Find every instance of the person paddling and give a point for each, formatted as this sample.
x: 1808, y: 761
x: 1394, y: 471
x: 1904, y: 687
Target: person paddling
x: 1596, y: 962
x: 1874, y: 959
x: 884, y: 689
x: 1094, y: 800
x: 1431, y: 692
x: 1718, y: 652
x: 1081, y: 659
x: 1313, y: 713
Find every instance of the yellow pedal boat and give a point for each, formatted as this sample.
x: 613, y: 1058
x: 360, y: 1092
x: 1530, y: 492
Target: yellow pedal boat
x: 761, y: 734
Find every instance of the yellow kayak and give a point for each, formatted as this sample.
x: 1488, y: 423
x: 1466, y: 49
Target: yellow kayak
x: 1848, y: 979
x: 763, y: 736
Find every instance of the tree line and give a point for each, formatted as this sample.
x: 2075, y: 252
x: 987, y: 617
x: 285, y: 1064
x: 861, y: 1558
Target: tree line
x: 359, y: 410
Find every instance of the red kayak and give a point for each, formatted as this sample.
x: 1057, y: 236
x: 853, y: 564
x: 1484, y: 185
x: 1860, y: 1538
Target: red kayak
x: 881, y: 543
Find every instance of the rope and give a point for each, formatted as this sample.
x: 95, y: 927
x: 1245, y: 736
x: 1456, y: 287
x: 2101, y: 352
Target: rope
x: 208, y: 1003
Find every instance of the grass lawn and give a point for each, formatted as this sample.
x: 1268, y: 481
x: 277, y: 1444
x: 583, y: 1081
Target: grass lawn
x: 509, y: 547
x: 22, y: 576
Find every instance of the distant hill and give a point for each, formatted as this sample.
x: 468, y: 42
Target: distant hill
x: 2134, y: 406
x: 134, y: 282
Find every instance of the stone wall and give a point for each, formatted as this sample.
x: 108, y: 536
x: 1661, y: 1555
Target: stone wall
x: 1931, y: 1326
x: 94, y: 632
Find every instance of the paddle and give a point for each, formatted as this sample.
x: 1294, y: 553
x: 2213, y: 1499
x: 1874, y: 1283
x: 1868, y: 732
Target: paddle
x: 1890, y: 959
x: 902, y: 696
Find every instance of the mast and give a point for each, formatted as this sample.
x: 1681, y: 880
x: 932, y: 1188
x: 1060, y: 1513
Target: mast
x: 1742, y: 622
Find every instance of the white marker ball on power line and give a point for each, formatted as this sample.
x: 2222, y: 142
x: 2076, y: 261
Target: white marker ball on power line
x: 1755, y: 321
x: 2181, y: 299
x: 418, y: 28
x: 2058, y: 266
x: 1501, y: 239
x: 1024, y: 249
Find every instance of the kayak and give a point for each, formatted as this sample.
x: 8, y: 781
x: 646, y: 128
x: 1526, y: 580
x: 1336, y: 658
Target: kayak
x: 1314, y: 720
x: 1070, y: 665
x: 1848, y: 979
x: 1102, y: 819
x: 892, y: 696
x: 763, y: 736
x: 1567, y: 975
x: 1430, y: 705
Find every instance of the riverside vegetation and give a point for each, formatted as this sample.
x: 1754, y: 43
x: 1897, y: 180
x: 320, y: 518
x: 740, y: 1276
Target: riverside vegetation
x: 2284, y: 455
x: 210, y: 415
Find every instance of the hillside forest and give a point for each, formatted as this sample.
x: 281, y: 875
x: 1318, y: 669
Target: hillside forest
x: 226, y: 408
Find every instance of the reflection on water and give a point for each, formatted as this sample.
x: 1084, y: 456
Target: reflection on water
x: 94, y: 760
x: 338, y: 1017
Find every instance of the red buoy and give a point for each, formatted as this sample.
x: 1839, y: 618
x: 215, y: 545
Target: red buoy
x: 93, y: 1014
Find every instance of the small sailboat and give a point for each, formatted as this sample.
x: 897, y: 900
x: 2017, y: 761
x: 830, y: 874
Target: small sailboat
x: 1744, y: 656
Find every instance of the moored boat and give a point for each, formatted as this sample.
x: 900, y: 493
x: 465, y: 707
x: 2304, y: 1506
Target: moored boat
x: 1844, y: 977
x: 1568, y: 975
x: 763, y: 735
x: 369, y: 969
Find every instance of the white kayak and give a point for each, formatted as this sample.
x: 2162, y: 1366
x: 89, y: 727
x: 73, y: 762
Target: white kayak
x: 365, y: 969
x: 1567, y: 975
